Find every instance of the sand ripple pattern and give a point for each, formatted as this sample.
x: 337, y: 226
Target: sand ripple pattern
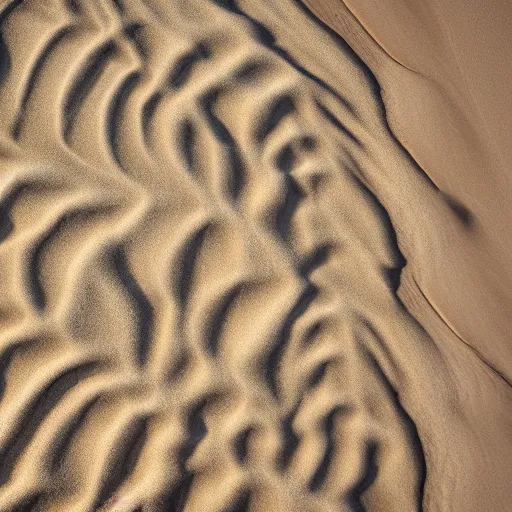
x: 198, y: 281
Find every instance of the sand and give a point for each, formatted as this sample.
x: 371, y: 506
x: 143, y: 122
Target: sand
x: 254, y: 256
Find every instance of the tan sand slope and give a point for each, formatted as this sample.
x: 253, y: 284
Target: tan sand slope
x: 204, y: 223
x: 444, y: 75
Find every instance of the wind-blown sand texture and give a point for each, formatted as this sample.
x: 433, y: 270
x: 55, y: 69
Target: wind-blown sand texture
x: 218, y: 268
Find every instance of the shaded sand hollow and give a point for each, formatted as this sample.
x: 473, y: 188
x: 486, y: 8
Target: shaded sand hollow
x: 238, y: 273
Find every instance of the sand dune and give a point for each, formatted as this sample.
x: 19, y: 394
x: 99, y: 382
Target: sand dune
x: 441, y: 67
x: 212, y: 250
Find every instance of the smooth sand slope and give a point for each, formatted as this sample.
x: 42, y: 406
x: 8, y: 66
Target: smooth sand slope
x: 212, y: 255
x: 444, y: 73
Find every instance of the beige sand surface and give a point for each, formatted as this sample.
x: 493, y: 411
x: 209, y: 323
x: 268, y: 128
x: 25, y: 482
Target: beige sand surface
x: 227, y: 284
x: 443, y: 68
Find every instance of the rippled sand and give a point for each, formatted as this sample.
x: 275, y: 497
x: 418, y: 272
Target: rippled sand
x: 226, y: 280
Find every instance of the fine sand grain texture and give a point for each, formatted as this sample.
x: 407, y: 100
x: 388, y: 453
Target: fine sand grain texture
x: 444, y: 73
x: 232, y: 278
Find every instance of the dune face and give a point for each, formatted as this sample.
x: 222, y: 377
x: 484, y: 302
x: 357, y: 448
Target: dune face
x: 442, y: 68
x: 212, y: 256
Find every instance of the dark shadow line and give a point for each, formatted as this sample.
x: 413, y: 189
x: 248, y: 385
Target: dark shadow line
x: 272, y: 361
x: 124, y: 458
x: 5, y: 57
x: 410, y: 426
x: 241, y: 502
x: 66, y: 435
x: 83, y: 84
x: 290, y: 440
x: 143, y: 308
x: 34, y: 77
x: 337, y: 123
x: 235, y: 164
x: 115, y: 110
x: 29, y: 503
x: 280, y: 107
x: 218, y: 319
x: 370, y: 472
x: 240, y: 444
x: 183, y: 275
x: 287, y: 208
x: 322, y: 471
x: 187, y: 134
x: 133, y: 32
x: 185, y: 65
x: 35, y: 257
x: 148, y: 112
